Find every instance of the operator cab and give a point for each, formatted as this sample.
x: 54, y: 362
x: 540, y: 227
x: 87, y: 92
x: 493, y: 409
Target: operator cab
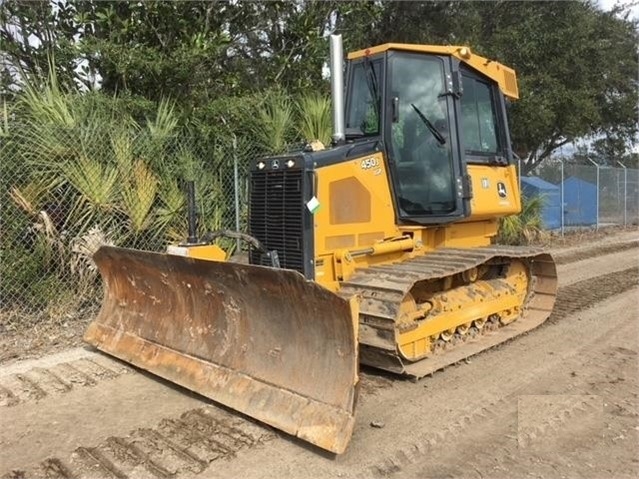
x: 435, y: 113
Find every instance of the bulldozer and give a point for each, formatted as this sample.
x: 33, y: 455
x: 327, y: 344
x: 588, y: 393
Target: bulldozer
x: 377, y: 250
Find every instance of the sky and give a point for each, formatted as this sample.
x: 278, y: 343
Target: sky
x: 608, y: 4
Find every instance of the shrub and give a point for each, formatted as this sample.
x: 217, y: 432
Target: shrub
x: 524, y: 228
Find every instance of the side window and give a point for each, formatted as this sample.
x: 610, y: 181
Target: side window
x: 363, y: 112
x: 479, y: 120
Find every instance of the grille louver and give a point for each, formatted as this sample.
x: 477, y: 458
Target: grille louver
x: 276, y: 216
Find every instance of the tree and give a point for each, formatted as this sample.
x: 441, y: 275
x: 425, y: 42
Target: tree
x: 31, y: 33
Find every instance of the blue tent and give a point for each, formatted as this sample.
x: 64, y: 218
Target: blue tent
x: 580, y: 202
x: 532, y: 187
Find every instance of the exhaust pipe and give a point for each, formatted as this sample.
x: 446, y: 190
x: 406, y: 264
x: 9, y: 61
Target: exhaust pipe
x: 337, y: 88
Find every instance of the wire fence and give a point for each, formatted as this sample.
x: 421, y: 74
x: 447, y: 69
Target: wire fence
x: 65, y: 192
x: 577, y: 195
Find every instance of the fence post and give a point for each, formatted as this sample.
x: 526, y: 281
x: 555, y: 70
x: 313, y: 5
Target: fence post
x: 236, y: 194
x: 625, y: 193
x: 597, y: 200
x: 519, y: 172
x: 561, y: 191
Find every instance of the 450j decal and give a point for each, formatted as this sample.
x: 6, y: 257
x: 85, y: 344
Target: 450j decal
x: 371, y: 163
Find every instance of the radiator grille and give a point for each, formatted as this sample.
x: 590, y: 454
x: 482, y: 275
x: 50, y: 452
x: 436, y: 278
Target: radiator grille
x: 276, y: 216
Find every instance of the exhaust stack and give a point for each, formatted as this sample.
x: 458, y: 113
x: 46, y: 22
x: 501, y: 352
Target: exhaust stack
x: 337, y: 88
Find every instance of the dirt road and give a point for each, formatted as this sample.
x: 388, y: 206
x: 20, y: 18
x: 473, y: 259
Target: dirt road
x: 559, y: 402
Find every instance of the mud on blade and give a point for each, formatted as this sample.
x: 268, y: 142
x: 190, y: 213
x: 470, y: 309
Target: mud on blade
x: 262, y: 341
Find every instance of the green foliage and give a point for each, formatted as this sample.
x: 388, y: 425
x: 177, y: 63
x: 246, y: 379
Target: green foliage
x: 275, y: 121
x: 138, y: 195
x: 23, y: 279
x: 315, y: 122
x: 31, y: 33
x: 525, y: 227
x: 88, y: 170
x: 240, y: 72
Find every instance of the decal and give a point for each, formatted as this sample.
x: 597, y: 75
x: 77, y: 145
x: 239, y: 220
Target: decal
x: 313, y: 204
x: 369, y: 163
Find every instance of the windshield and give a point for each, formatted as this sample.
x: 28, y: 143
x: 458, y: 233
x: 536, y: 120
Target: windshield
x: 363, y: 108
x: 423, y: 162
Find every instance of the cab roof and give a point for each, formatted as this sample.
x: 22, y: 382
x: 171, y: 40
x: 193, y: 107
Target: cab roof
x: 503, y: 75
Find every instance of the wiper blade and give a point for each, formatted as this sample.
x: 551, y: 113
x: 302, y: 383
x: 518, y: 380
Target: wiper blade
x: 438, y: 136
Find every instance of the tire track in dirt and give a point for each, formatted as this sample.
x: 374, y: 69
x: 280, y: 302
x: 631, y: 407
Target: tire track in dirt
x: 199, y: 437
x: 498, y: 413
x: 39, y: 383
x: 587, y: 253
x: 186, y: 445
x: 573, y: 410
x: 586, y: 293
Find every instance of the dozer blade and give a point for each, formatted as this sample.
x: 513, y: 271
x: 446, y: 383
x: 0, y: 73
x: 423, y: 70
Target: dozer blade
x: 262, y: 341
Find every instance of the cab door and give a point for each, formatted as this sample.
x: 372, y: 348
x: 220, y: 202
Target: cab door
x: 428, y: 172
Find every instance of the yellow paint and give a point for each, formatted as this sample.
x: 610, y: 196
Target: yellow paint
x: 210, y: 251
x: 503, y: 75
x: 486, y: 202
x: 370, y: 228
x: 460, y: 307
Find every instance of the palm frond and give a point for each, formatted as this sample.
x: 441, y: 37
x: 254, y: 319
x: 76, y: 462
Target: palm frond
x: 48, y: 104
x: 275, y: 118
x: 138, y: 195
x: 165, y: 122
x: 525, y: 227
x: 96, y: 182
x: 123, y: 151
x: 314, y: 111
x: 169, y: 216
x: 93, y: 193
x: 31, y: 197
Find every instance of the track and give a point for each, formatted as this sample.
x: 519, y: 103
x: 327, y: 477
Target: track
x: 384, y: 289
x: 185, y: 445
x: 204, y: 437
x: 38, y: 383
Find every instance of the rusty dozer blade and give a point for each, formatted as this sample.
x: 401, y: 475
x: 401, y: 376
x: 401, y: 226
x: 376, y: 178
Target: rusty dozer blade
x: 263, y: 341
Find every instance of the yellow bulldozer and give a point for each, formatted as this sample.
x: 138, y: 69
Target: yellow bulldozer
x: 376, y: 250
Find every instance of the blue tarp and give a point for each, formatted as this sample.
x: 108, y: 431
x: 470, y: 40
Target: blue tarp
x: 580, y: 202
x: 532, y: 187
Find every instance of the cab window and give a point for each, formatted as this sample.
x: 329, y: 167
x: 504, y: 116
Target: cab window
x: 479, y: 118
x: 364, y: 103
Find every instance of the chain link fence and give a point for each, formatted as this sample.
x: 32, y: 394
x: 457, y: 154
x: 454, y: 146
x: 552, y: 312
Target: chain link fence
x: 577, y: 195
x: 65, y: 192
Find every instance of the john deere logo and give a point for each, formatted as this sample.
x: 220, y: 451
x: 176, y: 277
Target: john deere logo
x: 501, y: 190
x: 275, y: 164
